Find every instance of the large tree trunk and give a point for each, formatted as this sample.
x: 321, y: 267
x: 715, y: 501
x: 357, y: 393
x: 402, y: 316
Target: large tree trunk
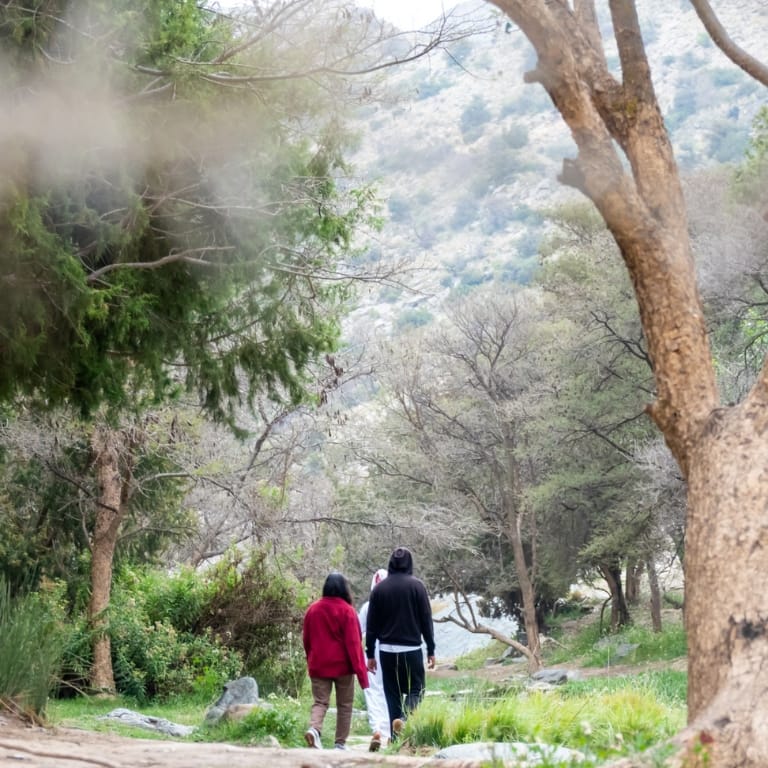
x: 723, y: 453
x: 726, y: 577
x: 104, y: 444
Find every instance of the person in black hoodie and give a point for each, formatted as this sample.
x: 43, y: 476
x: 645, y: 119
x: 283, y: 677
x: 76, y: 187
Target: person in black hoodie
x: 399, y: 617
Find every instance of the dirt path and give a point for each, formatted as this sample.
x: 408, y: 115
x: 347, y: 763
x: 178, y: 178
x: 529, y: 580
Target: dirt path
x: 68, y: 748
x: 28, y: 746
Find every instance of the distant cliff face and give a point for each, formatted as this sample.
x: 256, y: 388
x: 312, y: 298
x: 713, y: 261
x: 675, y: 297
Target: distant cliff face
x: 465, y: 154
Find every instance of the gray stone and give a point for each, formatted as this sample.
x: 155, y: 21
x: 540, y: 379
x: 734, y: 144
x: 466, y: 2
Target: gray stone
x: 515, y: 753
x: 129, y: 717
x: 551, y: 676
x: 244, y: 690
x: 625, y: 649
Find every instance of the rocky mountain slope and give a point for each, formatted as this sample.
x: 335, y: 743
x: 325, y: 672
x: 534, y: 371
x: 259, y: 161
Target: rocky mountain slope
x: 465, y: 154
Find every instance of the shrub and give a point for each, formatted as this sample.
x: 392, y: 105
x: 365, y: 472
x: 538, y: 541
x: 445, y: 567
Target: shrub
x: 413, y: 318
x: 257, y: 610
x: 473, y: 119
x: 158, y: 651
x: 32, y: 640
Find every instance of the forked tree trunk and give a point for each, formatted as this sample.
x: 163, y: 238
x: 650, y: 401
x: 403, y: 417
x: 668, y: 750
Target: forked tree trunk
x: 106, y: 528
x: 611, y: 572
x: 722, y: 452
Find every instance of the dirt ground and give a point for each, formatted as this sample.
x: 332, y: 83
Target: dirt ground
x: 35, y: 747
x: 29, y: 746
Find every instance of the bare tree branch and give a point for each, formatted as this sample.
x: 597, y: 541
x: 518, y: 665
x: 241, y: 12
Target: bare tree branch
x: 754, y: 68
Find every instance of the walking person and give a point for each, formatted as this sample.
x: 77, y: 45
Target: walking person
x: 400, y: 619
x: 375, y: 701
x: 333, y: 645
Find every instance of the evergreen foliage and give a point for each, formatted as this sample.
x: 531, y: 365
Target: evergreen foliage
x: 46, y: 506
x: 187, y: 246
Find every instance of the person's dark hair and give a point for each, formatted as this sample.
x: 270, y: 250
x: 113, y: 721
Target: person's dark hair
x: 337, y: 586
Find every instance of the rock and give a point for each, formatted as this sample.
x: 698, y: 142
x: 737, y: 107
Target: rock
x: 515, y: 753
x: 237, y: 712
x: 625, y: 649
x: 129, y: 717
x: 244, y: 690
x: 551, y: 676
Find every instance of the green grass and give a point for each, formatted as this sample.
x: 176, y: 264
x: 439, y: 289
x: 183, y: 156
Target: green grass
x: 601, y: 720
x: 477, y: 659
x: 591, y: 649
x: 282, y: 718
x: 85, y: 712
x: 602, y: 717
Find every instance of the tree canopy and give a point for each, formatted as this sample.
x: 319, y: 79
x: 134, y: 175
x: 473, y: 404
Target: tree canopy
x: 157, y: 228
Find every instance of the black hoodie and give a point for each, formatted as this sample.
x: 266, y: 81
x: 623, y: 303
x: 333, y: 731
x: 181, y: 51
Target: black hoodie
x: 399, y: 612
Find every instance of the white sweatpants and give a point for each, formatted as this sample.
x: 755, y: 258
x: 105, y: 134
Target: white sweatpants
x: 375, y: 703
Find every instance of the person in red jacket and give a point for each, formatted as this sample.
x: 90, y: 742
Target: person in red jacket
x: 333, y: 644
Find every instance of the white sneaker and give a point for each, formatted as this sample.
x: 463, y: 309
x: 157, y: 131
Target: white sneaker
x: 312, y: 737
x: 339, y: 745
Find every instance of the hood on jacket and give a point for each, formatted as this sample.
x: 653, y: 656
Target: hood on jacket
x: 380, y: 575
x: 401, y: 561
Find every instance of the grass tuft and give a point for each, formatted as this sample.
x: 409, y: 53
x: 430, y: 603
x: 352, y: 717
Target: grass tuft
x: 31, y: 648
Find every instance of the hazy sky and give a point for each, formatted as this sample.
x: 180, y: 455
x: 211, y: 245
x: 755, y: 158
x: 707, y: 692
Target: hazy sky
x: 405, y: 14
x: 409, y: 14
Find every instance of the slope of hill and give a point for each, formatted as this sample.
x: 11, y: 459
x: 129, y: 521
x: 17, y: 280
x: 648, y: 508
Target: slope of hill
x: 466, y: 155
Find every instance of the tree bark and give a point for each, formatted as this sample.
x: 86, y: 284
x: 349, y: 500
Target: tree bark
x: 722, y: 452
x: 752, y: 66
x: 619, y: 612
x: 512, y: 503
x: 633, y: 574
x: 653, y: 583
x: 108, y: 518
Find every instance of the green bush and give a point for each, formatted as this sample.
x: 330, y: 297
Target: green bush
x: 158, y: 651
x: 258, y: 610
x: 178, y: 599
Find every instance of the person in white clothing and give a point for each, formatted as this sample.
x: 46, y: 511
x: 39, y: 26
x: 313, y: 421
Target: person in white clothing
x: 375, y: 702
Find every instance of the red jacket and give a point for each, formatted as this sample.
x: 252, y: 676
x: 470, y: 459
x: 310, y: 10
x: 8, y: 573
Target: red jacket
x: 332, y: 640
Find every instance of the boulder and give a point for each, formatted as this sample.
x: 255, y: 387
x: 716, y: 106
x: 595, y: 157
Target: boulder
x: 243, y: 691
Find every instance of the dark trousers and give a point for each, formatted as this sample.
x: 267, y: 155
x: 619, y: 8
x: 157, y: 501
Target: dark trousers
x: 402, y: 675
